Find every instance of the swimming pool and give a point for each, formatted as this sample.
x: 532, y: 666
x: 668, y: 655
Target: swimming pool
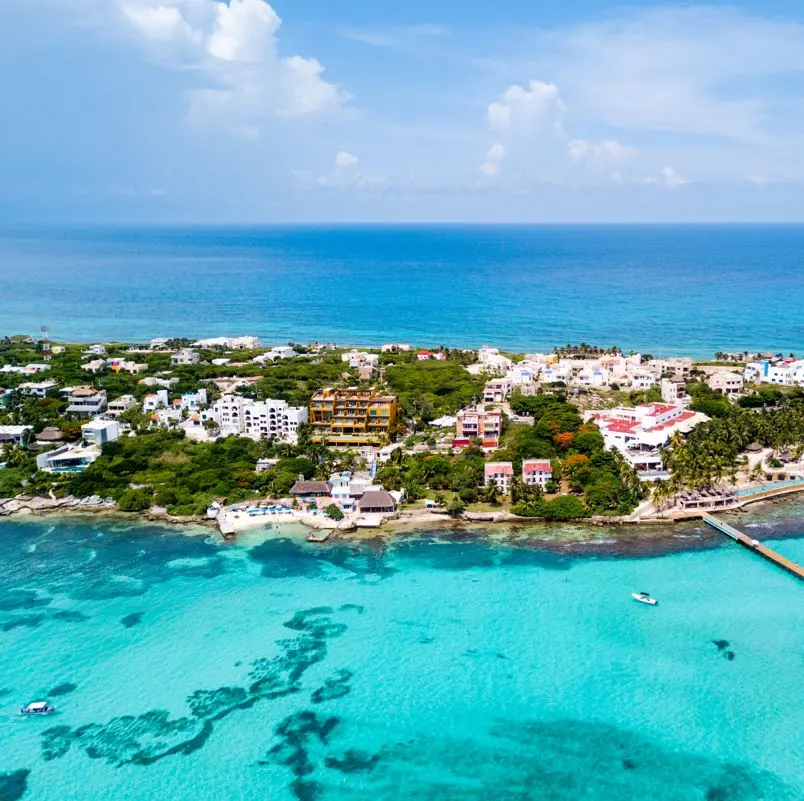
x: 765, y: 487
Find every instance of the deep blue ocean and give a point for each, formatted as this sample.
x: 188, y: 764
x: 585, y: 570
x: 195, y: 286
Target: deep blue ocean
x: 659, y: 289
x: 451, y: 665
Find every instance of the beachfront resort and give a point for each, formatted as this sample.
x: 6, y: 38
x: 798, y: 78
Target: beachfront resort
x: 248, y: 435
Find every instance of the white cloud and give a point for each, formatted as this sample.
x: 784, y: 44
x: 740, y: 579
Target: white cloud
x: 244, y: 31
x: 160, y: 23
x: 494, y: 156
x: 236, y: 53
x: 538, y: 104
x: 686, y: 69
x: 668, y: 178
x: 530, y: 121
x: 400, y: 37
x: 344, y: 159
x: 581, y: 150
x: 672, y: 179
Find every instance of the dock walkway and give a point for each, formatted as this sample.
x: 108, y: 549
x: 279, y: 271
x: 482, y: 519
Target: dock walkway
x: 756, y: 546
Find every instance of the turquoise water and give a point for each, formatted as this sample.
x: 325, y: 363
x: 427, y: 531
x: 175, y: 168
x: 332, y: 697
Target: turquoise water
x: 660, y: 289
x: 449, y: 665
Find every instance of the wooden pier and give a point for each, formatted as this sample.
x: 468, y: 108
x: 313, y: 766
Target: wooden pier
x: 225, y: 526
x: 755, y: 546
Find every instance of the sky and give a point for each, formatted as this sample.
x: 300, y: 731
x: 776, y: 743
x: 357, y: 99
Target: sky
x: 207, y: 111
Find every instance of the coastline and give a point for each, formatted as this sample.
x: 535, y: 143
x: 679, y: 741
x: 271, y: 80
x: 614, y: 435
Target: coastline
x: 613, y: 538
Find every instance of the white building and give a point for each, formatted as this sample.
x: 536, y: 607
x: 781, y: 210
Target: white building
x: 556, y: 372
x: 395, y: 348
x: 592, y: 377
x: 185, y: 356
x: 269, y: 419
x: 537, y: 472
x: 785, y: 373
x: 168, y: 416
x: 155, y: 400
x: 86, y: 400
x: 273, y: 419
x: 98, y: 432
x: 153, y: 381
x: 281, y: 352
x: 524, y: 373
x: 232, y: 343
x: 95, y: 366
x: 676, y: 367
x: 39, y: 389
x: 674, y: 392
x: 366, y: 364
x: 120, y: 405
x: 490, y: 360
x: 16, y: 435
x: 499, y: 473
x: 726, y: 383
x: 126, y: 366
x: 645, y: 427
x: 95, y: 350
x: 497, y: 390
x: 191, y: 401
x: 68, y: 458
x: 640, y: 380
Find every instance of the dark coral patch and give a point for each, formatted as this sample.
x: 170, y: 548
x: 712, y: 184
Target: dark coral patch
x: 353, y: 761
x: 63, y: 689
x: 15, y: 600
x: 283, y: 558
x: 134, y: 619
x: 24, y: 621
x: 334, y: 687
x: 153, y: 736
x: 298, y: 734
x: 306, y: 791
x: 70, y: 616
x: 208, y: 703
x: 13, y: 785
x: 721, y: 645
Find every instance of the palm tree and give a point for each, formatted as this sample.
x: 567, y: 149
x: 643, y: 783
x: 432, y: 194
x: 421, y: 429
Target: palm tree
x: 492, y: 493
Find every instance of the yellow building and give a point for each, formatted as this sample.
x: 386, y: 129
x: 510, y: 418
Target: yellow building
x: 352, y: 416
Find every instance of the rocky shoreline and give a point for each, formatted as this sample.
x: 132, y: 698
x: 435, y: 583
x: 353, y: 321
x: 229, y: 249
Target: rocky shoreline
x: 30, y: 505
x: 637, y: 533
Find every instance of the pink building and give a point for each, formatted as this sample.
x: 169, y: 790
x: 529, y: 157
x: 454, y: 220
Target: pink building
x: 501, y: 474
x: 537, y: 472
x: 478, y: 424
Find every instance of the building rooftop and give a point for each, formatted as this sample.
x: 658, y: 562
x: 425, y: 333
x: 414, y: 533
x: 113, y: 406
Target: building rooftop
x: 537, y: 466
x: 499, y: 467
x: 310, y: 488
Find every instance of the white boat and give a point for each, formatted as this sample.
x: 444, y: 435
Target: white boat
x: 644, y: 598
x: 37, y: 708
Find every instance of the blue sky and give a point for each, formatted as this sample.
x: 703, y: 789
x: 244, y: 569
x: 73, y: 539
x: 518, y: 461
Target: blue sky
x: 345, y: 110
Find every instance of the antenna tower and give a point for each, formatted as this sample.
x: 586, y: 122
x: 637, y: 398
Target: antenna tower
x: 46, y: 352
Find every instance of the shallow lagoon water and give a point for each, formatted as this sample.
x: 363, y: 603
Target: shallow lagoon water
x: 444, y: 665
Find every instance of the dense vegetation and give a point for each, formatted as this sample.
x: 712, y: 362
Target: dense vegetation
x: 428, y: 389
x: 713, y: 450
x: 599, y: 481
x: 165, y: 469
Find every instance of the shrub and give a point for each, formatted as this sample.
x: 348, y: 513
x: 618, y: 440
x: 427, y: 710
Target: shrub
x: 135, y: 500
